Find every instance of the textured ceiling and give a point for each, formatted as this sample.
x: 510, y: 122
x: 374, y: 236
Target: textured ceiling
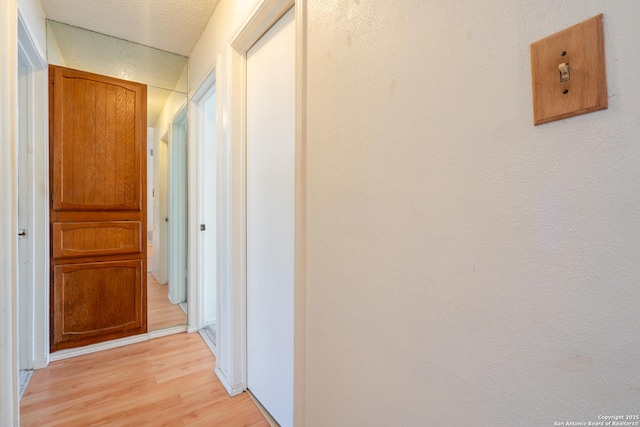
x: 171, y: 25
x: 97, y: 53
x: 165, y: 73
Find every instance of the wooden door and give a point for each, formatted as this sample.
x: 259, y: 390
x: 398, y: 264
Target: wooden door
x: 98, y: 208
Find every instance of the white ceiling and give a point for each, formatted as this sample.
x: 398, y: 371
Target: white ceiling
x: 171, y: 25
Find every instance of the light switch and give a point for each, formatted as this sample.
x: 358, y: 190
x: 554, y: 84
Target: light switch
x: 568, y: 72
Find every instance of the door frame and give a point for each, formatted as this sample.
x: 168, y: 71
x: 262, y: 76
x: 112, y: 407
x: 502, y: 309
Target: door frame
x: 9, y: 405
x: 196, y: 142
x: 177, y: 206
x: 258, y: 22
x: 38, y: 319
x: 13, y: 30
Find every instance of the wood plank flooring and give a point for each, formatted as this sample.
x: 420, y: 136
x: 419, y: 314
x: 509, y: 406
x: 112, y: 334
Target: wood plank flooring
x: 167, y: 381
x: 161, y: 313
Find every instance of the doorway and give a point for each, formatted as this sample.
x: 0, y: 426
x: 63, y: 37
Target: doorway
x: 167, y: 295
x: 25, y: 220
x: 33, y: 189
x: 206, y: 120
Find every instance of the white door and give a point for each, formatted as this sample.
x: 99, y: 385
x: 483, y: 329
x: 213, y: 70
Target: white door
x: 209, y: 206
x: 270, y: 218
x: 161, y: 209
x: 178, y: 210
x: 25, y: 215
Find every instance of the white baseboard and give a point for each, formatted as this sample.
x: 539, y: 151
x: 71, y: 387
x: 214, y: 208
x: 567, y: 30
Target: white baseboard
x: 233, y: 390
x: 207, y: 340
x: 25, y: 377
x: 93, y: 348
x: 40, y: 364
x: 168, y: 331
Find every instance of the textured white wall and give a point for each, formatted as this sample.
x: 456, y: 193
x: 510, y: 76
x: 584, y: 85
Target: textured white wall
x: 214, y: 46
x: 226, y: 19
x: 464, y: 267
x: 33, y: 15
x: 54, y: 55
x: 150, y: 183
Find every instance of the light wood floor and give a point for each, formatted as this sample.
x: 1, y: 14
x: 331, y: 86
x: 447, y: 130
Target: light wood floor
x: 165, y: 381
x: 161, y: 313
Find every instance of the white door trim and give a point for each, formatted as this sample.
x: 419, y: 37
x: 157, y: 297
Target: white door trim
x: 196, y: 193
x: 13, y: 31
x: 39, y: 134
x: 9, y: 407
x: 260, y: 19
x: 300, y: 237
x: 222, y: 346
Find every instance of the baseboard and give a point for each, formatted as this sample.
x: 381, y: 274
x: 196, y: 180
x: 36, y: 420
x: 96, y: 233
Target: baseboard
x: 93, y: 348
x: 168, y: 331
x: 40, y: 364
x: 209, y: 342
x: 25, y: 377
x: 233, y: 390
x: 267, y: 416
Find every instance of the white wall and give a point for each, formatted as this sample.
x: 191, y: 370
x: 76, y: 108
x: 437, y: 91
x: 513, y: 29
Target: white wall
x: 161, y: 185
x: 150, y: 175
x: 465, y: 267
x: 54, y: 55
x: 35, y: 20
x: 213, y: 50
x: 226, y: 19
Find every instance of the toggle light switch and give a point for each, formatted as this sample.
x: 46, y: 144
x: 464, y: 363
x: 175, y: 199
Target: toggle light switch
x: 576, y: 55
x: 564, y: 71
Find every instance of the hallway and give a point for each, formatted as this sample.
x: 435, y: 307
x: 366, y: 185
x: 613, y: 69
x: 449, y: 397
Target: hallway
x: 164, y: 381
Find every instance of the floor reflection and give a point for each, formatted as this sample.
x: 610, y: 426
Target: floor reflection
x: 161, y: 314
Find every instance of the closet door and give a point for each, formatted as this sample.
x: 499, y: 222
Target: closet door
x: 270, y: 218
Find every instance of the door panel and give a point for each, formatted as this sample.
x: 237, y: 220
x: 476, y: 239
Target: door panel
x: 98, y: 207
x: 96, y: 152
x: 95, y: 299
x: 72, y: 239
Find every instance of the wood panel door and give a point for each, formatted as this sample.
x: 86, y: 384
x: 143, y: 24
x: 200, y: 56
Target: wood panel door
x: 98, y: 207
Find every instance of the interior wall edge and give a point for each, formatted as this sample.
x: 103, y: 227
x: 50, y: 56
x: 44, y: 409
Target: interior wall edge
x: 9, y: 405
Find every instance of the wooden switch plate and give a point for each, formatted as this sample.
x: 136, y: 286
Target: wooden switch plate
x: 582, y: 47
